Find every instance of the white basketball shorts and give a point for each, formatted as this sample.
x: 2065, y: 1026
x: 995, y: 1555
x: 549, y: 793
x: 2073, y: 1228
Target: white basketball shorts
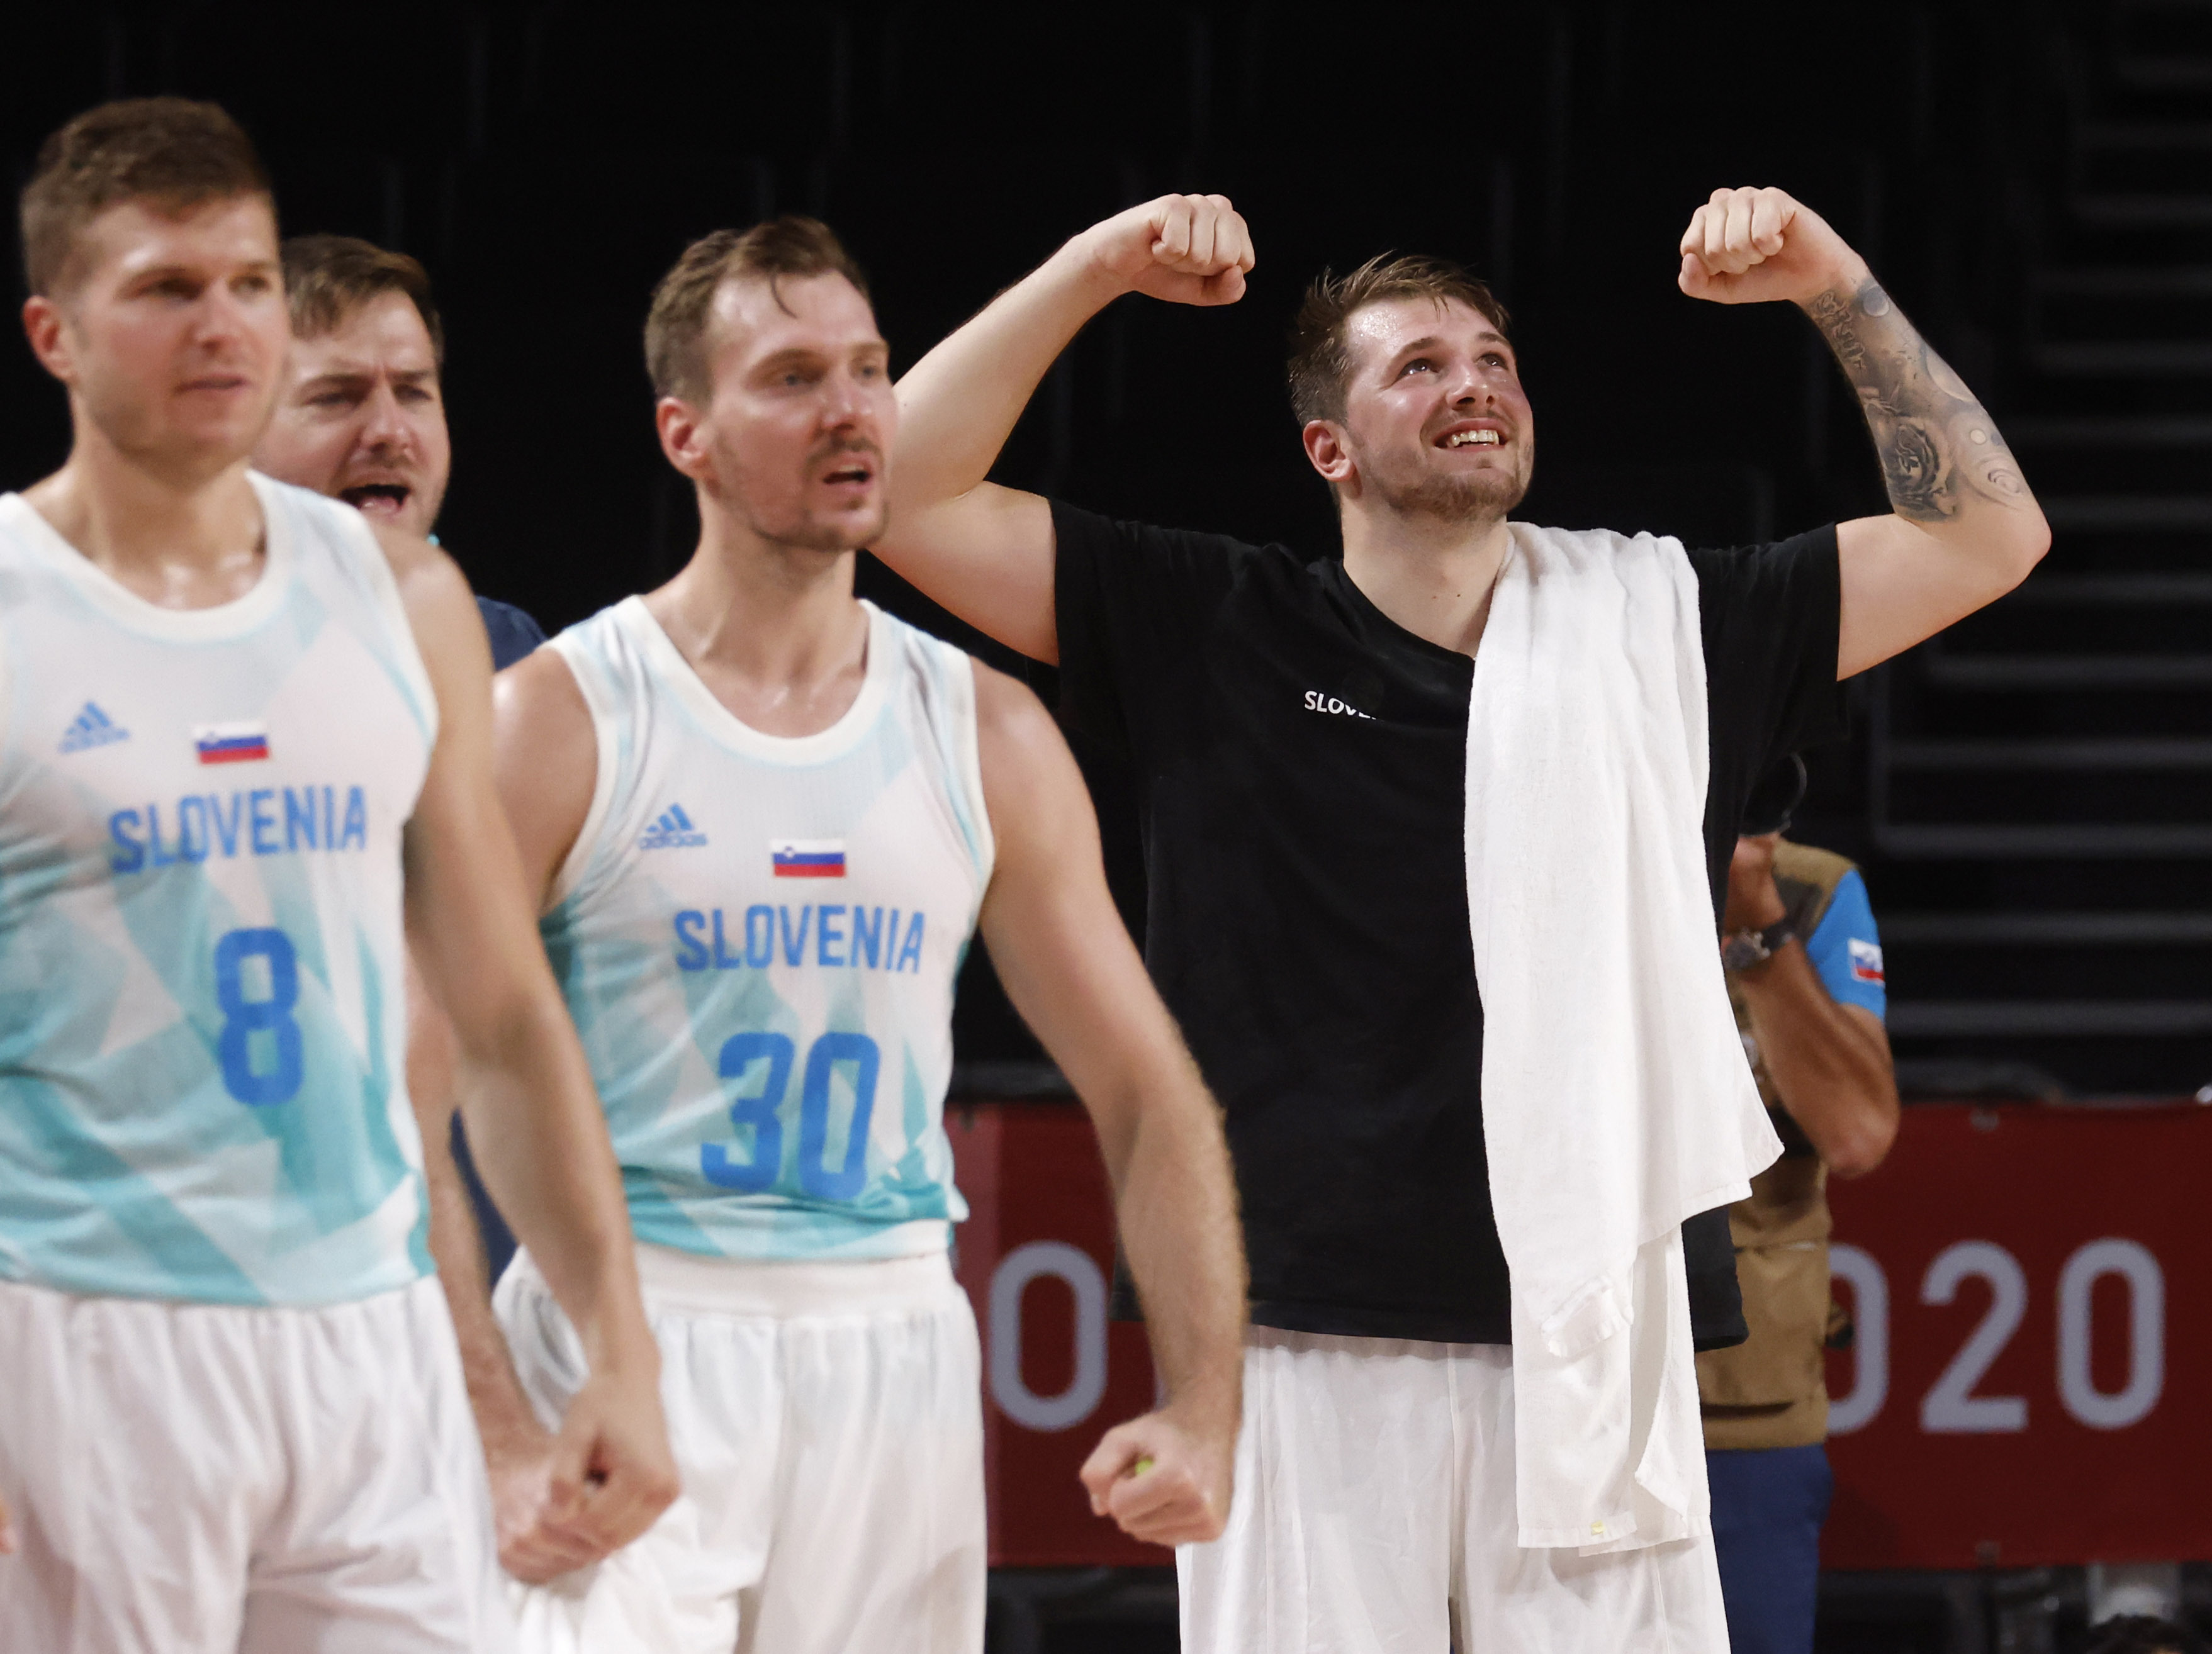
x: 826, y: 1421
x: 1375, y: 1512
x: 206, y: 1478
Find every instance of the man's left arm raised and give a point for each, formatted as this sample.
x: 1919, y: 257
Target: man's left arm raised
x: 1070, y: 969
x: 1963, y: 529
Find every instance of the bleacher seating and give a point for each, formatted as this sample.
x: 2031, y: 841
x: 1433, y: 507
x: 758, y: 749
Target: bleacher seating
x: 2045, y: 768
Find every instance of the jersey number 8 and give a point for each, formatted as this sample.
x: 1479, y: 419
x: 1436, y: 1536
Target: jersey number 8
x: 760, y: 1110
x: 267, y: 1012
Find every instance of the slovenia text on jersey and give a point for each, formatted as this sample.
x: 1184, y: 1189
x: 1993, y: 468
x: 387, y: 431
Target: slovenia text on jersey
x: 254, y: 821
x: 851, y: 938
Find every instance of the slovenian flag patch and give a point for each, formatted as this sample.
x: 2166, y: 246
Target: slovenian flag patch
x: 807, y: 858
x: 231, y: 743
x: 1866, y: 960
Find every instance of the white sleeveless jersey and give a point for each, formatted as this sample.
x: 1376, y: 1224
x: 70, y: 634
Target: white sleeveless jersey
x: 202, y: 1041
x: 759, y: 938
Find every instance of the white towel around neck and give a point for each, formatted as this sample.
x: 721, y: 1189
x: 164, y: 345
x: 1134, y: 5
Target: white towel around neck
x: 1616, y: 1100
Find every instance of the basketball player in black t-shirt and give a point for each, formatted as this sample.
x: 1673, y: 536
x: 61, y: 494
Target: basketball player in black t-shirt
x: 1295, y: 728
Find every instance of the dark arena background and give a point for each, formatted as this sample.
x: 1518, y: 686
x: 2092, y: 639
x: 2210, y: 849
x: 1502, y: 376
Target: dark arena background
x: 2020, y: 1447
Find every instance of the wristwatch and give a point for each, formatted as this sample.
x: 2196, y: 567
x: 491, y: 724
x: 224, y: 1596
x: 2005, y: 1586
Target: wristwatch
x: 1741, y: 949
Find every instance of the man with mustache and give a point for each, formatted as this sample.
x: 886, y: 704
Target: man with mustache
x: 363, y: 415
x: 361, y: 418
x: 763, y: 819
x: 1299, y: 736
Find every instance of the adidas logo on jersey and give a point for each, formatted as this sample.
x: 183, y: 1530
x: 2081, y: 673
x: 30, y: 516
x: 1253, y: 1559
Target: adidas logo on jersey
x: 672, y: 831
x: 91, y: 728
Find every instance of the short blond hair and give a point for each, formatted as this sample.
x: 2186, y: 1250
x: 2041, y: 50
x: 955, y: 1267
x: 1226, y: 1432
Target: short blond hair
x: 684, y: 303
x: 174, y: 151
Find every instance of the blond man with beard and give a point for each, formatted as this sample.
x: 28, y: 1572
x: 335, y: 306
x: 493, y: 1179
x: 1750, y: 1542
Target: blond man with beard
x: 1299, y: 733
x: 764, y: 820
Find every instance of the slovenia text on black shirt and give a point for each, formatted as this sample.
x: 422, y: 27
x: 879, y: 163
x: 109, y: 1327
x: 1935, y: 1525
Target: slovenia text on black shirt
x: 1299, y: 765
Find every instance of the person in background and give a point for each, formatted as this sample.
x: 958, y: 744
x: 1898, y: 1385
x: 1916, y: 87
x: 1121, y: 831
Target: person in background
x: 361, y: 418
x: 1805, y: 976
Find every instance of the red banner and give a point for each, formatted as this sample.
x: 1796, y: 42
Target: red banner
x: 2035, y: 1318
x: 2030, y: 1285
x: 1037, y: 1258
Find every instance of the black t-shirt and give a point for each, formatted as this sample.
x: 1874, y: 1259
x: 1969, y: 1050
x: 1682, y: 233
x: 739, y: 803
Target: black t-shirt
x: 1299, y: 763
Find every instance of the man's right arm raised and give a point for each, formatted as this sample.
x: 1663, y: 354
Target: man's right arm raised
x: 986, y: 552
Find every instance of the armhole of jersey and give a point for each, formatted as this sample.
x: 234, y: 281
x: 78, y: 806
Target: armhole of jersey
x: 983, y: 842
x: 413, y: 672
x: 577, y: 861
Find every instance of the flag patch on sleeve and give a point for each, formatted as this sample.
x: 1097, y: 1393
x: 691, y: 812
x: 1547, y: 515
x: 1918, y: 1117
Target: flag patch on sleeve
x: 807, y: 858
x: 1866, y: 960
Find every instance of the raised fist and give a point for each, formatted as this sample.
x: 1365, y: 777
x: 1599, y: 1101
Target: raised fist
x: 1751, y: 246
x: 1754, y: 901
x: 1187, y: 249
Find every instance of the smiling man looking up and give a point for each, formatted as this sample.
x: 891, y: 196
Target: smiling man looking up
x: 1352, y: 818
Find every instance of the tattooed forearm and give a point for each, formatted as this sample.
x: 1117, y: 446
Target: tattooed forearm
x: 1940, y: 451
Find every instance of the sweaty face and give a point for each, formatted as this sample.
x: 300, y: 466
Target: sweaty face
x: 361, y: 417
x: 172, y: 332
x: 800, y: 423
x: 1435, y: 417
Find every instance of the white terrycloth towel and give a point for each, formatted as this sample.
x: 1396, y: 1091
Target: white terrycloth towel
x: 1616, y: 1101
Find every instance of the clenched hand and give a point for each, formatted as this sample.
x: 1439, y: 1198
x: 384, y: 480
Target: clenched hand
x: 564, y: 1501
x: 1187, y: 249
x: 1754, y: 246
x: 1163, y: 1482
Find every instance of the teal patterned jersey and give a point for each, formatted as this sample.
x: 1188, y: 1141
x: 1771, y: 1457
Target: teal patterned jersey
x: 758, y: 938
x: 201, y: 1041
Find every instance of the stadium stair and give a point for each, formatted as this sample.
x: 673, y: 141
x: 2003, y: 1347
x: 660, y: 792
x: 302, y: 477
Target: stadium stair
x: 2054, y: 752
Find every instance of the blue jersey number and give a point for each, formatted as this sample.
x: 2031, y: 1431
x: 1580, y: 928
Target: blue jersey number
x: 744, y: 1053
x: 740, y: 1053
x: 267, y: 1070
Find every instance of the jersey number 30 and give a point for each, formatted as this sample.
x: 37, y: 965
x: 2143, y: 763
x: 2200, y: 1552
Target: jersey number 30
x: 759, y: 1109
x: 267, y: 1069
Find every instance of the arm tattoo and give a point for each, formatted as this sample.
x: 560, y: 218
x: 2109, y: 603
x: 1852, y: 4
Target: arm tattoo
x: 1940, y: 451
